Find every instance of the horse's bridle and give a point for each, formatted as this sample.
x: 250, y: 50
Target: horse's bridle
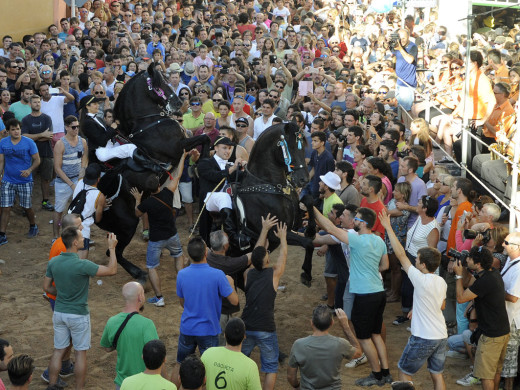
x: 282, y: 143
x: 166, y: 109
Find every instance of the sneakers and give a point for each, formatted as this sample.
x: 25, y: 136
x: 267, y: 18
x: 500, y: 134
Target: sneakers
x: 387, y: 379
x: 146, y: 234
x: 357, y: 362
x: 3, y: 240
x: 159, y: 302
x: 445, y: 160
x: 33, y: 231
x: 469, y: 380
x: 47, y: 206
x: 65, y: 372
x: 370, y: 380
x: 456, y: 355
x: 45, y: 377
x: 400, y: 320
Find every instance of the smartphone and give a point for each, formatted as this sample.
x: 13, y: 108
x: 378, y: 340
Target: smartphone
x: 54, y: 91
x: 465, y: 214
x: 314, y: 70
x: 272, y: 59
x: 121, y: 34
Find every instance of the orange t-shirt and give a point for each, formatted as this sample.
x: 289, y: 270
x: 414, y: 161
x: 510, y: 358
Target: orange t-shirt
x: 480, y: 95
x: 464, y: 206
x: 502, y: 116
x: 57, y: 249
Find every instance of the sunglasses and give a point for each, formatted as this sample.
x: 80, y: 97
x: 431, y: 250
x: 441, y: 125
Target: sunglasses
x: 251, y: 89
x: 349, y: 89
x: 149, y: 28
x: 91, y: 68
x: 217, y: 100
x: 329, y: 91
x: 242, y: 126
x: 359, y: 219
x: 455, y: 67
x: 31, y: 41
x: 444, y: 62
x: 99, y: 93
x: 273, y: 97
x: 46, y: 71
x: 306, y: 57
x: 382, y: 92
x: 74, y: 127
x: 195, y: 104
x: 185, y: 94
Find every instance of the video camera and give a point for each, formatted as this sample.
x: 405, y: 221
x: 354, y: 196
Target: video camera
x: 472, y: 234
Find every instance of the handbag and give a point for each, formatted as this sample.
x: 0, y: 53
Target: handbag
x: 121, y: 327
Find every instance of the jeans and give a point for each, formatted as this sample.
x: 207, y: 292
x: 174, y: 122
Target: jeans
x: 419, y: 350
x: 188, y: 344
x: 457, y: 341
x: 268, y: 344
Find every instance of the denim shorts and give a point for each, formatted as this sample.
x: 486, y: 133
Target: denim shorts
x: 331, y: 269
x: 458, y: 342
x: 71, y: 326
x: 405, y: 97
x: 348, y: 300
x: 8, y: 191
x: 188, y: 344
x: 153, y: 252
x: 62, y: 194
x: 268, y: 344
x: 419, y: 350
x: 186, y: 188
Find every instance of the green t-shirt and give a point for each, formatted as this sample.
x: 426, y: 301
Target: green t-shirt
x: 71, y: 276
x: 20, y: 110
x: 144, y: 381
x: 230, y: 370
x: 191, y: 123
x: 329, y: 202
x: 137, y: 332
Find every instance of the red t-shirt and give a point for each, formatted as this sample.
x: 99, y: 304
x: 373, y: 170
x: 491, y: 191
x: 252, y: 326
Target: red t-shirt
x: 377, y: 207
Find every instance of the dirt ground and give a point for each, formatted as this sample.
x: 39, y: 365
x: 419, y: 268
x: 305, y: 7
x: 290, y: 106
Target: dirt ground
x: 26, y: 321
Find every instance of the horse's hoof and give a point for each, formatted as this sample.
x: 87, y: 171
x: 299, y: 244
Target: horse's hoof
x: 305, y: 279
x: 142, y: 279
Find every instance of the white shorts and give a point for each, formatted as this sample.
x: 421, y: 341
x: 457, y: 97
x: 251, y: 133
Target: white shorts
x: 185, y: 188
x: 218, y: 201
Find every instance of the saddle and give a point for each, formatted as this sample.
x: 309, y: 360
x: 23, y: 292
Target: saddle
x: 140, y: 163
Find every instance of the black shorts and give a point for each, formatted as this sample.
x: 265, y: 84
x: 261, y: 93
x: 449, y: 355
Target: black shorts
x: 367, y: 314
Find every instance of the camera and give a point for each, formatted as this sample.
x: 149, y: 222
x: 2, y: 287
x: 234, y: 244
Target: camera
x: 224, y: 70
x: 340, y: 137
x: 272, y: 59
x: 121, y: 34
x: 394, y: 40
x: 461, y: 256
x: 402, y: 154
x: 472, y: 234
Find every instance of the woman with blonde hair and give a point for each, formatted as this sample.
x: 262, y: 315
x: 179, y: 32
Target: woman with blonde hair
x: 421, y: 136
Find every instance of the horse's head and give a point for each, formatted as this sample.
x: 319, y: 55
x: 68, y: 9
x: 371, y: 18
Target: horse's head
x: 144, y: 95
x: 281, y: 146
x: 160, y: 91
x: 295, y: 138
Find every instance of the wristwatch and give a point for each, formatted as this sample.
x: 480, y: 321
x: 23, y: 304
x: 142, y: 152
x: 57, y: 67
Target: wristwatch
x: 457, y: 277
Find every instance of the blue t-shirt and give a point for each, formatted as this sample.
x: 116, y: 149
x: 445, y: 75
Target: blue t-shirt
x: 395, y: 168
x: 404, y: 70
x: 17, y: 158
x: 2, y: 126
x: 202, y: 288
x: 366, y: 251
x: 70, y: 107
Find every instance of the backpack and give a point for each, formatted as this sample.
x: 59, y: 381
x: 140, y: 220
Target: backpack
x: 78, y: 203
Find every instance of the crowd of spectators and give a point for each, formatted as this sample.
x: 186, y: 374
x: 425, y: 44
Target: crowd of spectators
x: 346, y: 73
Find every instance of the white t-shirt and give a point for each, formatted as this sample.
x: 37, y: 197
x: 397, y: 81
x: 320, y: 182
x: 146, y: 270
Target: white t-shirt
x: 54, y: 108
x: 90, y: 206
x: 260, y: 126
x: 428, y: 297
x: 284, y: 13
x: 511, y: 276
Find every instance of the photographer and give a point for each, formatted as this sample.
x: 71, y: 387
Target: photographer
x: 487, y: 290
x: 405, y: 53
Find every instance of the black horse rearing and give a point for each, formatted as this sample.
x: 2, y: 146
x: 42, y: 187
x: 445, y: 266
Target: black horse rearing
x: 142, y: 109
x: 275, y: 168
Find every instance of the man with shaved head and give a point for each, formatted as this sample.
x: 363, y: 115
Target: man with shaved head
x: 136, y: 331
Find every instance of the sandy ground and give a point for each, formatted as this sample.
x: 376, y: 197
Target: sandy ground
x: 25, y: 317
